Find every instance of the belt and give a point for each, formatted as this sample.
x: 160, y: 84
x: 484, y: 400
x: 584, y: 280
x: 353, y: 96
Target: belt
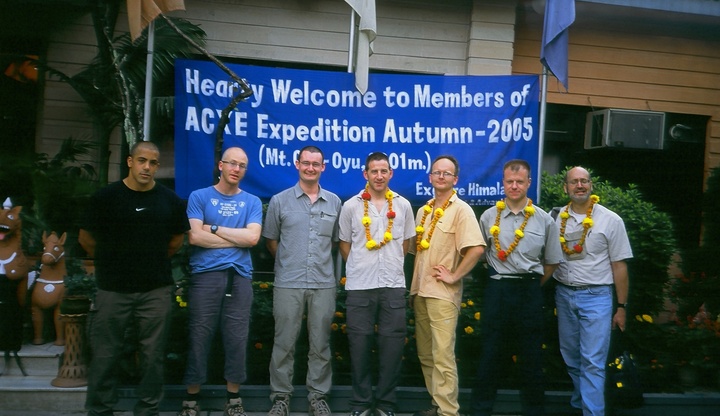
x: 582, y: 287
x: 520, y: 276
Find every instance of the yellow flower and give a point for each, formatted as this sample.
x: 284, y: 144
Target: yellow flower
x: 370, y: 244
x: 339, y: 314
x: 530, y: 210
x: 263, y: 285
x: 470, y: 302
x: 463, y: 305
x: 366, y: 221
x: 519, y: 233
x: 427, y: 209
x: 419, y: 229
x: 494, y: 230
x: 178, y: 299
x: 647, y: 318
x: 477, y: 316
x: 543, y: 346
x: 595, y: 198
x: 183, y: 304
x: 334, y: 326
x: 555, y: 311
x: 564, y: 215
x: 424, y: 244
x: 343, y: 280
x: 388, y: 194
x: 439, y: 212
x: 388, y: 237
x: 469, y: 330
x: 588, y: 221
x: 638, y: 318
x: 343, y: 328
x: 500, y: 204
x: 562, y: 239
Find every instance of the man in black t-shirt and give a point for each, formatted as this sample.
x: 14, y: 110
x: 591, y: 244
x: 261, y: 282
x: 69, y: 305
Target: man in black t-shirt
x: 132, y: 227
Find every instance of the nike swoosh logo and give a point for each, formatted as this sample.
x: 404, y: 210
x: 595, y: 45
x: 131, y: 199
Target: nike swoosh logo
x: 140, y: 209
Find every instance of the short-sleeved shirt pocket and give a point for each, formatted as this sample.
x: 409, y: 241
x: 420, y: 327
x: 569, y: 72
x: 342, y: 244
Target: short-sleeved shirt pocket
x: 327, y: 223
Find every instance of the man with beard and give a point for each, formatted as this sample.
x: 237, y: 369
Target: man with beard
x: 523, y: 251
x: 301, y: 227
x: 595, y: 246
x: 225, y: 222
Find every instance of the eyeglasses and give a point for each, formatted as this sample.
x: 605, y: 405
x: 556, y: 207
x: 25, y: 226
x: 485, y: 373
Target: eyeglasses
x: 582, y: 181
x: 235, y: 165
x: 439, y: 174
x: 316, y: 165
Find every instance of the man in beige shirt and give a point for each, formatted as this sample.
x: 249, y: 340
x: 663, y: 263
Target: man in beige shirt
x: 448, y: 245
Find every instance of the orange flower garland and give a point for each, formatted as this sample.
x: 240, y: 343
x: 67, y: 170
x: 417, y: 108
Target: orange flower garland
x: 387, y: 236
x: 529, y: 210
x: 587, y: 223
x: 424, y: 244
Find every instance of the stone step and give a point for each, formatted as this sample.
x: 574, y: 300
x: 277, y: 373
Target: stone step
x: 37, y: 360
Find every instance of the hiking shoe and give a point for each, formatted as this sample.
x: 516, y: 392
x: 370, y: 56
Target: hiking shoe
x: 319, y: 407
x: 366, y: 412
x: 189, y: 408
x: 281, y: 406
x: 234, y: 407
x: 380, y: 412
x: 432, y: 411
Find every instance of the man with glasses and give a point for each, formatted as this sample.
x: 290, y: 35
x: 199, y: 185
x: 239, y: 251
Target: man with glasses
x: 301, y: 226
x: 523, y: 251
x: 448, y: 244
x: 225, y: 222
x: 595, y: 246
x: 376, y: 227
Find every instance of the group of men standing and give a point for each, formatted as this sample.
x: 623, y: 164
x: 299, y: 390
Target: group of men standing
x: 135, y: 225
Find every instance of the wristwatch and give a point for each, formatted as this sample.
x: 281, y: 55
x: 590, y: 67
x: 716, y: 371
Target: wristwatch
x: 213, y: 228
x: 622, y: 305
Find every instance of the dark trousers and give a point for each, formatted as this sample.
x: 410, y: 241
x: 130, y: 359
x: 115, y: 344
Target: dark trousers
x: 112, y: 315
x: 366, y: 308
x: 511, y: 308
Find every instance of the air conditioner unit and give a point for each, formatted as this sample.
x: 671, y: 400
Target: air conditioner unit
x: 624, y: 129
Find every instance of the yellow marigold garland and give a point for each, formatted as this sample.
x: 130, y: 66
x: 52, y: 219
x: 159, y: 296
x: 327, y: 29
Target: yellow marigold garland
x: 587, y: 224
x: 387, y: 236
x: 424, y: 243
x: 529, y: 210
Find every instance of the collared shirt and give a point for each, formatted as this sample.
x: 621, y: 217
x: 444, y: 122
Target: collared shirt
x: 606, y: 242
x: 372, y: 269
x: 539, y: 245
x: 456, y: 230
x: 305, y: 232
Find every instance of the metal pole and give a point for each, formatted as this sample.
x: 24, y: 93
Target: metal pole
x: 351, y: 42
x: 148, y: 80
x: 541, y: 129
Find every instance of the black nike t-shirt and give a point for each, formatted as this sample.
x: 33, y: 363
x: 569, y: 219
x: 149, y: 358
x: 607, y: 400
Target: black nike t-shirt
x: 132, y: 231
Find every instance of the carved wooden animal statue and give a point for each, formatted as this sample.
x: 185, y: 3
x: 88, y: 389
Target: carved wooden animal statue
x: 49, y: 287
x: 13, y: 263
x: 14, y: 268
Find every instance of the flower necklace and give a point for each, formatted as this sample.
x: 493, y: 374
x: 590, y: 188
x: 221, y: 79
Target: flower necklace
x: 387, y: 236
x: 424, y: 243
x: 529, y: 210
x: 586, y: 223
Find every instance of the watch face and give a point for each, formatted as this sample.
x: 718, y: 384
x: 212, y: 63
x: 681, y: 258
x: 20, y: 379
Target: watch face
x: 213, y: 229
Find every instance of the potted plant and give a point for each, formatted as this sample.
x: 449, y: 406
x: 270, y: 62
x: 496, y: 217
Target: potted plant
x: 80, y: 289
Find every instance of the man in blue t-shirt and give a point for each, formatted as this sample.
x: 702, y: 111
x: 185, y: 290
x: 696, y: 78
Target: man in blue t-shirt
x: 132, y: 227
x: 225, y: 222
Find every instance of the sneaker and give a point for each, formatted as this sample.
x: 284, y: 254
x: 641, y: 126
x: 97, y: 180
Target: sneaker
x: 432, y: 411
x: 380, y: 412
x: 281, y: 407
x: 234, y: 407
x: 189, y: 408
x: 319, y: 407
x: 366, y: 412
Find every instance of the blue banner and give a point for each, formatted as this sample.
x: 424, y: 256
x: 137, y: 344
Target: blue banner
x: 483, y: 121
